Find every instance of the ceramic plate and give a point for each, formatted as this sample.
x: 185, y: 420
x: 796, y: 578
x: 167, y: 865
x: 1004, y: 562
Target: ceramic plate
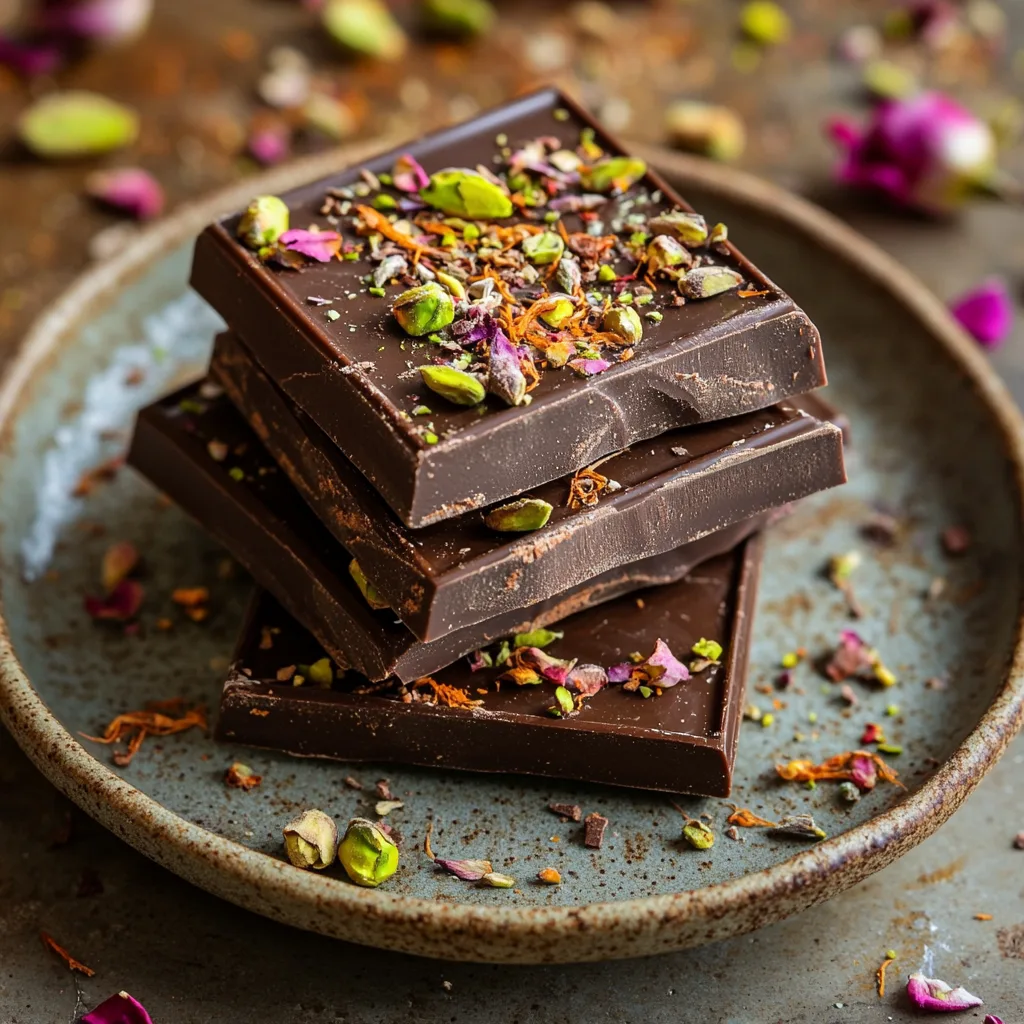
x: 935, y: 440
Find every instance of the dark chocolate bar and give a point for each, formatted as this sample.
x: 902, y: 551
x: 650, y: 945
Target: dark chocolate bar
x: 339, y: 352
x: 199, y: 451
x: 683, y: 741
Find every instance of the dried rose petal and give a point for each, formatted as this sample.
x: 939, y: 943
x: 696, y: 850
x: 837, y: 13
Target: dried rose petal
x: 120, y: 605
x: 128, y: 189
x: 477, y: 661
x: 408, y: 175
x: 933, y: 994
x: 119, y: 1009
x: 586, y: 680
x: 467, y: 870
x: 851, y: 657
x: 103, y: 21
x: 504, y: 376
x: 269, y: 145
x: 29, y: 59
x: 552, y: 669
x: 986, y: 313
x: 991, y: 1018
x: 620, y: 673
x: 589, y: 367
x: 863, y: 772
x: 664, y: 668
x: 317, y: 245
x: 118, y: 561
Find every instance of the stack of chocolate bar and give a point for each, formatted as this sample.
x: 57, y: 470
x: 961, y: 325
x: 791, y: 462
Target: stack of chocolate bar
x: 483, y: 406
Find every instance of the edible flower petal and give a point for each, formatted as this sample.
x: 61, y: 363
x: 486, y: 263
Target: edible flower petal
x: 317, y: 245
x: 504, y: 376
x: 119, y: 1009
x: 130, y: 189
x: 620, y: 673
x: 467, y: 870
x: 269, y: 145
x: 934, y: 994
x: 118, y: 562
x: 408, y: 175
x: 986, y: 313
x: 29, y: 59
x: 586, y: 680
x: 850, y: 765
x: 589, y: 367
x: 120, y: 605
x: 664, y: 668
x: 102, y: 21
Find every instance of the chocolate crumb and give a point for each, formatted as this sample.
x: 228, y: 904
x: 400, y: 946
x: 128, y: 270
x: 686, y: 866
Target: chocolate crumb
x: 732, y: 832
x: 1018, y: 841
x: 594, y: 826
x: 956, y: 540
x: 571, y: 811
x: 383, y: 788
x: 352, y: 783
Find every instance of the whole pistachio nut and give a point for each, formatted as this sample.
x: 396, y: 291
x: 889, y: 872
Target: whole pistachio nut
x: 543, y: 248
x: 76, y: 123
x: 424, y: 309
x: 613, y: 173
x: 264, y: 221
x: 562, y: 307
x: 367, y: 853
x: 311, y: 840
x: 366, y: 27
x: 703, y: 282
x: 519, y: 516
x: 568, y: 275
x: 366, y: 588
x: 665, y: 253
x: 464, y: 193
x: 456, y: 385
x: 688, y: 228
x: 625, y: 322
x: 698, y: 835
x: 459, y: 18
x: 705, y: 128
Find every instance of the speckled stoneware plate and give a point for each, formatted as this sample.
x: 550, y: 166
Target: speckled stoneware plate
x: 936, y: 440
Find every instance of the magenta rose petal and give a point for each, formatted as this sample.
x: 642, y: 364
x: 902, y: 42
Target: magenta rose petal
x: 620, y: 673
x: 664, y: 668
x: 317, y: 245
x: 29, y: 59
x: 119, y: 1009
x: 986, y: 313
x: 130, y: 190
x: 408, y: 175
x: 589, y: 367
x: 467, y: 870
x: 935, y: 995
x: 269, y: 145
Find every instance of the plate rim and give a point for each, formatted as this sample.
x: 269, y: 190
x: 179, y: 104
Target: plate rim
x: 593, y: 931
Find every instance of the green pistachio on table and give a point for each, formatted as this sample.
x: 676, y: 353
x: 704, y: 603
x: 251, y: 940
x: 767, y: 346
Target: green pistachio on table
x: 624, y: 321
x: 705, y: 128
x: 311, y: 840
x: 367, y: 853
x: 698, y: 835
x: 689, y: 228
x: 465, y: 193
x: 366, y: 27
x: 458, y: 18
x: 457, y: 386
x: 366, y: 588
x: 613, y: 173
x: 703, y: 282
x: 519, y: 516
x: 765, y: 22
x: 665, y: 253
x: 264, y: 221
x: 76, y: 123
x: 562, y: 307
x: 424, y: 309
x: 543, y: 248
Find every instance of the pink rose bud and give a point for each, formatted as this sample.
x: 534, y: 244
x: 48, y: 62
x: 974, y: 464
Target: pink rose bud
x: 128, y: 189
x: 986, y: 313
x: 100, y: 21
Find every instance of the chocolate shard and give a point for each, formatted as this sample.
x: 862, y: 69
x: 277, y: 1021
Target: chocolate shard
x: 354, y: 369
x: 571, y: 811
x: 682, y: 741
x: 594, y: 827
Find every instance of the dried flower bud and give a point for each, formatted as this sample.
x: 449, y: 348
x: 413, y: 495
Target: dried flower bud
x: 614, y: 173
x: 311, y: 840
x: 689, y: 228
x: 698, y: 835
x: 498, y: 881
x: 568, y: 276
x: 705, y: 128
x: 128, y: 189
x: 704, y: 282
x: 366, y: 27
x: 543, y: 248
x: 665, y: 253
x: 624, y: 321
x: 457, y: 386
x: 424, y: 309
x: 465, y: 193
x: 264, y: 221
x: 367, y: 853
x: 519, y: 516
x: 800, y: 825
x: 76, y: 123
x: 459, y: 18
x: 366, y: 588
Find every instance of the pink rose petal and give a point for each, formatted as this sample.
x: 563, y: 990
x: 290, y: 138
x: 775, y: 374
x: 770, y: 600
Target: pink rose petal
x: 120, y: 605
x: 408, y: 175
x: 586, y: 680
x: 986, y: 313
x: 467, y: 870
x: 665, y: 669
x: 863, y: 772
x: 933, y: 994
x: 128, y: 189
x: 269, y: 145
x: 991, y: 1018
x: 29, y: 59
x: 620, y: 673
x: 103, y: 21
x: 589, y: 367
x: 317, y: 245
x: 119, y: 1009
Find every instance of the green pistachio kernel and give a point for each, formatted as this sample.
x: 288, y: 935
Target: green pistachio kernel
x: 519, y: 516
x: 890, y: 748
x: 719, y: 234
x: 366, y: 588
x: 565, y: 701
x: 332, y: 314
x: 887, y: 80
x: 704, y: 282
x: 710, y: 649
x: 625, y: 298
x: 713, y: 131
x: 606, y: 273
x: 365, y: 27
x: 322, y: 673
x: 884, y: 675
x: 311, y: 840
x: 470, y: 232
x: 424, y: 309
x: 892, y: 710
x: 76, y: 123
x: 498, y: 881
x: 698, y: 835
x: 453, y: 284
x: 457, y: 386
x: 612, y: 173
x: 767, y: 719
x: 625, y: 322
x: 655, y: 316
x: 665, y: 253
x: 543, y: 248
x: 422, y: 410
x: 384, y: 201
x: 466, y: 193
x: 644, y: 691
x: 561, y: 309
x: 367, y: 853
x: 430, y: 437
x: 537, y: 638
x: 688, y: 228
x: 236, y: 473
x: 377, y: 293
x: 459, y: 18
x: 264, y: 221
x: 504, y: 650
x: 848, y: 792
x: 790, y: 659
x: 765, y: 22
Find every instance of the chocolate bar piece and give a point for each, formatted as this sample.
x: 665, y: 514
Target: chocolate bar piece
x: 683, y: 741
x: 454, y: 574
x: 199, y: 451
x: 633, y: 351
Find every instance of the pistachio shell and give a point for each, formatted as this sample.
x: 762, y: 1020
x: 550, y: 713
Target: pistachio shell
x: 519, y: 516
x: 688, y: 228
x: 703, y: 282
x: 612, y: 173
x: 465, y: 193
x: 311, y: 840
x: 367, y: 853
x: 365, y: 27
x: 76, y: 123
x: 424, y: 309
x: 543, y: 248
x: 263, y: 223
x: 625, y: 322
x: 456, y: 385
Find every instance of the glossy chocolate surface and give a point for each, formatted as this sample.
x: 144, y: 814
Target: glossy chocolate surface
x: 682, y: 742
x: 704, y: 361
x: 458, y: 572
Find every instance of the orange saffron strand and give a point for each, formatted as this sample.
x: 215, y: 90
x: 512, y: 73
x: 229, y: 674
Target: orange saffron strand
x: 746, y: 818
x: 374, y: 220
x: 75, y: 965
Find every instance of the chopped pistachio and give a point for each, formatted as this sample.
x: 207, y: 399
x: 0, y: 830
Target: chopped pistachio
x: 719, y: 234
x: 665, y: 253
x: 790, y: 659
x: 465, y: 193
x: 365, y: 27
x: 264, y: 221
x: 236, y: 473
x: 332, y: 315
x: 704, y: 282
x: 710, y: 649
x: 453, y: 284
x: 367, y: 853
x: 800, y: 825
x: 655, y: 316
x: 606, y: 273
x: 848, y: 792
x: 378, y: 293
x: 565, y: 701
x: 890, y: 748
x: 644, y: 691
x: 366, y: 588
x: 537, y: 638
x: 422, y: 410
x: 698, y: 835
x: 562, y: 307
x: 322, y: 673
x: 543, y: 248
x: 705, y: 128
x: 624, y: 322
x: 765, y: 22
x: 311, y: 840
x: 842, y: 567
x: 457, y: 386
x: 612, y: 173
x: 887, y: 80
x: 767, y: 719
x: 430, y: 437
x: 424, y: 309
x: 689, y: 228
x: 384, y: 201
x: 519, y: 516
